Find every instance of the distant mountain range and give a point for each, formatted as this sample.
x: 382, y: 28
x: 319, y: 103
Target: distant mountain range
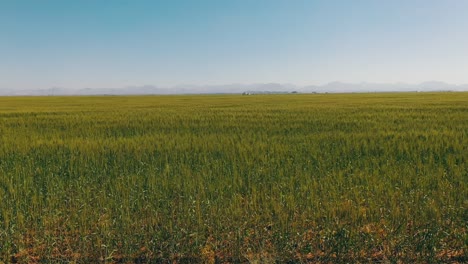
x: 333, y: 87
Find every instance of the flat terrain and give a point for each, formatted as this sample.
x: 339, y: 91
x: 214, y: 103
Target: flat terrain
x: 228, y: 178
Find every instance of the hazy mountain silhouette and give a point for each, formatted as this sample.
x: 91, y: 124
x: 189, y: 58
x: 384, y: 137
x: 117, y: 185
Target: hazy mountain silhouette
x: 332, y: 87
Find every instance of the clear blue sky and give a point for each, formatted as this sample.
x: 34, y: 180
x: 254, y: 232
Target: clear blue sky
x: 99, y: 43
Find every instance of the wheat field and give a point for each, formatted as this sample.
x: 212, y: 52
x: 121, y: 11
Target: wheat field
x: 298, y: 178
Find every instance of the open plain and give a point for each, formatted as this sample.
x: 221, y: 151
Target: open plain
x: 228, y: 178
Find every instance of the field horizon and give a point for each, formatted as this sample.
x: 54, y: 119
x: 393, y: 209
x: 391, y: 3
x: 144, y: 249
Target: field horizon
x: 253, y: 88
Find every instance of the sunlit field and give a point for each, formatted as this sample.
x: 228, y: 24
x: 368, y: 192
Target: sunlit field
x: 228, y: 178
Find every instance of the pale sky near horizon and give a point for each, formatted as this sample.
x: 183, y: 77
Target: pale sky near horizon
x: 111, y: 44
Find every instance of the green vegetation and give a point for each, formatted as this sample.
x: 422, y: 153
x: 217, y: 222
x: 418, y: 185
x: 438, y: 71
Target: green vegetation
x: 301, y: 178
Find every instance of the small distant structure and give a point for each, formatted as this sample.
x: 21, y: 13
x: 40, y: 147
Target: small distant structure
x: 246, y: 93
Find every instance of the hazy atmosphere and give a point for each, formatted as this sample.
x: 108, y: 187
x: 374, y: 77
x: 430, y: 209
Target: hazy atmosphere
x: 212, y: 46
x: 233, y: 131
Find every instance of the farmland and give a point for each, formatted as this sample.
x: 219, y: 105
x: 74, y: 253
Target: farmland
x: 230, y: 178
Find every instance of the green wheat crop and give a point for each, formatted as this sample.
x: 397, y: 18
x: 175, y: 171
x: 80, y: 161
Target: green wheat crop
x: 227, y: 178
